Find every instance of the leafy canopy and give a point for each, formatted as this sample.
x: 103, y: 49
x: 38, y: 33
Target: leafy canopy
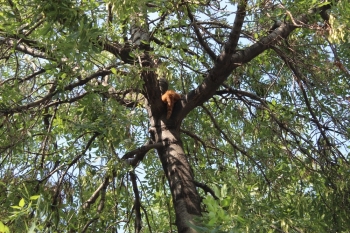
x: 271, y: 143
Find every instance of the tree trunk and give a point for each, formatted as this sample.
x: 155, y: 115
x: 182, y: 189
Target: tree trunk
x: 175, y: 164
x: 178, y: 171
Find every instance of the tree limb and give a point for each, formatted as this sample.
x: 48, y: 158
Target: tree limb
x: 53, y: 91
x: 86, y: 226
x: 301, y: 81
x: 137, y: 155
x: 206, y: 189
x: 23, y: 48
x: 201, y: 41
x: 231, y: 45
x: 227, y: 62
x: 194, y: 136
x: 55, y: 198
x: 97, y: 192
x: 137, y: 202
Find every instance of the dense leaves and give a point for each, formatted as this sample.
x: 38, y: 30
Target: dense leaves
x: 264, y: 119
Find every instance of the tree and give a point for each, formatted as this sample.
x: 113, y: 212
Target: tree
x: 257, y: 142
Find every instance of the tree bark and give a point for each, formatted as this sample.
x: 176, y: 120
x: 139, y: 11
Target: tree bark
x: 180, y: 177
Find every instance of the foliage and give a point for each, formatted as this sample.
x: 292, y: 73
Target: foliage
x: 271, y: 143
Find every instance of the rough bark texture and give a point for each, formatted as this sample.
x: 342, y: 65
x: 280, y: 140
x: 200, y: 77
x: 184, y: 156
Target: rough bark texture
x: 177, y: 170
x: 180, y: 177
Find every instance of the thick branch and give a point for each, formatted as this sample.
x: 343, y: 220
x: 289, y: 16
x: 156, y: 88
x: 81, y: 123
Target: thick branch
x: 118, y: 50
x: 137, y: 155
x: 23, y: 48
x: 236, y: 30
x: 227, y: 63
x: 206, y: 189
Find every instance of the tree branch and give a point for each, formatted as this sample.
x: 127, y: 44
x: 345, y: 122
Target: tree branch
x: 86, y: 226
x: 228, y: 62
x: 55, y: 198
x: 146, y: 215
x: 231, y: 45
x: 20, y: 80
x: 300, y: 80
x: 265, y: 105
x: 137, y: 202
x: 97, y: 192
x: 118, y: 50
x: 137, y: 155
x: 23, y: 48
x: 194, y: 136
x: 201, y: 41
x: 53, y: 91
x: 206, y: 189
x: 228, y: 139
x: 170, y: 46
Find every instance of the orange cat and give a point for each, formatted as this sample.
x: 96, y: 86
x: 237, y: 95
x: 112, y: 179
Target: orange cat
x: 170, y: 97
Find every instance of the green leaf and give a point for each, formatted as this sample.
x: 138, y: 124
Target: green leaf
x: 21, y: 203
x: 114, y: 70
x: 35, y: 197
x: 3, y: 228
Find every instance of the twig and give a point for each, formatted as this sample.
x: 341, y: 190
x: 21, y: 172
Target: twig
x: 55, y: 198
x: 228, y: 139
x: 201, y: 41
